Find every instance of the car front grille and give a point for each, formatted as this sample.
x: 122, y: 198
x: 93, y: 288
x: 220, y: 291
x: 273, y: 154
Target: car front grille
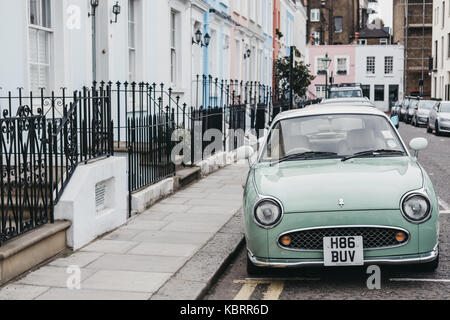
x: 374, y: 237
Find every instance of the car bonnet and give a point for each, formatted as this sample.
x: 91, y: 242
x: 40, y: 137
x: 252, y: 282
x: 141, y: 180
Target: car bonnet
x: 319, y: 185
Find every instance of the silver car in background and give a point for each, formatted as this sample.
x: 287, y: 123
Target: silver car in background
x: 440, y: 118
x: 421, y: 113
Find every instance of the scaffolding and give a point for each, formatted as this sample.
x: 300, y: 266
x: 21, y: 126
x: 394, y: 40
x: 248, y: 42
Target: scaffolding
x: 418, y: 26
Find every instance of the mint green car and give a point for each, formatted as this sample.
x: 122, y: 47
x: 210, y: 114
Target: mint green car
x: 336, y: 186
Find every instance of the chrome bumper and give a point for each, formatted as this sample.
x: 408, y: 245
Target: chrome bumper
x: 399, y: 260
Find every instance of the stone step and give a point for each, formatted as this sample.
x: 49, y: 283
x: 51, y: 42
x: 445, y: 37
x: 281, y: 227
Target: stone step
x: 31, y: 249
x: 187, y: 176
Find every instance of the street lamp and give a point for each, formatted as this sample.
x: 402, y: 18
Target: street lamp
x: 94, y: 5
x: 327, y: 62
x: 197, y: 39
x: 116, y: 11
x: 247, y: 54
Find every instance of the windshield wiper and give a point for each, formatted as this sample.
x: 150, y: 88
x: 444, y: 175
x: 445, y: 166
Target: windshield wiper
x: 373, y: 153
x: 307, y: 155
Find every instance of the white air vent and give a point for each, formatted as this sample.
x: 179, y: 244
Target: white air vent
x: 100, y: 196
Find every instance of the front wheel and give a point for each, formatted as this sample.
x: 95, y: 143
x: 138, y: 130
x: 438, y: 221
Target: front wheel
x: 253, y: 270
x: 429, y: 266
x: 436, y: 128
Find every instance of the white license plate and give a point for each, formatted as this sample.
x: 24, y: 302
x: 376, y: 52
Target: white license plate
x: 343, y: 251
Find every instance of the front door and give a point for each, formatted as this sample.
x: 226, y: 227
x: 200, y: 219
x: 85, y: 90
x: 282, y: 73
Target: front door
x: 393, y: 95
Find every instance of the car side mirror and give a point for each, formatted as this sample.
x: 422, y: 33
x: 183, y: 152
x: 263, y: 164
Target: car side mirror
x: 418, y: 144
x: 245, y: 153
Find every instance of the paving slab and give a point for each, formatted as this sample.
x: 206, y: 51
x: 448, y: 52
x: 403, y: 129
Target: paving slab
x: 139, y: 224
x: 59, y: 294
x: 110, y: 246
x: 123, y: 234
x: 21, y: 292
x: 195, y: 238
x: 80, y: 259
x: 50, y: 276
x: 214, y: 210
x: 118, y: 262
x: 164, y: 249
x: 172, y: 208
x: 182, y: 226
x: 129, y: 281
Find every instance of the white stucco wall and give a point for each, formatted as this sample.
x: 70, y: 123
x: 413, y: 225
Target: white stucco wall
x: 78, y: 202
x: 441, y: 34
x: 380, y: 78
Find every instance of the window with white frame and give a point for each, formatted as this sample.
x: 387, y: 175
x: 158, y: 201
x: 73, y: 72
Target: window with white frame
x: 315, y: 15
x: 370, y: 65
x: 321, y: 65
x: 362, y: 42
x: 383, y: 41
x: 132, y: 40
x: 342, y: 66
x: 40, y: 38
x: 388, y: 65
x: 174, y: 47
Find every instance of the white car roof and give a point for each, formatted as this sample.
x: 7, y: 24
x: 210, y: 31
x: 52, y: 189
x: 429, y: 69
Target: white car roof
x: 346, y: 100
x: 329, y: 109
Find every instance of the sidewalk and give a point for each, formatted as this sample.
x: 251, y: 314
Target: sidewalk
x: 169, y: 252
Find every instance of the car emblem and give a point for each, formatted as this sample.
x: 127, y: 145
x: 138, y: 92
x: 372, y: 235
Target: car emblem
x: 341, y: 203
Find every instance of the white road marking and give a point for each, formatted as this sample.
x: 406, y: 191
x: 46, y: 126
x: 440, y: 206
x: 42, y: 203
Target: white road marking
x: 419, y: 280
x: 444, y: 204
x: 445, y: 212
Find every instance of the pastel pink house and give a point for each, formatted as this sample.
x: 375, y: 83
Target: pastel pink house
x: 342, y: 67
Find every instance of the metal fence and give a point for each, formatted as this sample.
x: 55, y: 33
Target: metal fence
x: 45, y: 136
x: 43, y: 139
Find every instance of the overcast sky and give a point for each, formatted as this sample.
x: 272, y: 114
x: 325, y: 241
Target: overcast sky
x: 385, y: 12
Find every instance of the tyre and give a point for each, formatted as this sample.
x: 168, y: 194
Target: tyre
x: 429, y: 130
x: 436, y: 128
x: 429, y: 266
x: 253, y: 270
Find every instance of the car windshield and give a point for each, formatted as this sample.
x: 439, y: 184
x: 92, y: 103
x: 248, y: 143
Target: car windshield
x: 445, y: 107
x: 427, y: 105
x: 330, y: 136
x: 345, y: 94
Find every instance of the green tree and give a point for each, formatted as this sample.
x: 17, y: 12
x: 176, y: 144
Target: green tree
x: 302, y: 77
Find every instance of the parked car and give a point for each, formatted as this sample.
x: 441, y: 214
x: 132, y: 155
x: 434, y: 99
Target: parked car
x: 439, y: 118
x: 338, y: 187
x: 412, y: 105
x: 345, y: 92
x: 403, y: 109
x: 363, y: 101
x: 422, y: 112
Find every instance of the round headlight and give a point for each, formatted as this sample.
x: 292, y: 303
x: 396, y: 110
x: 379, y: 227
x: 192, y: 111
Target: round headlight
x: 267, y: 213
x: 416, y: 207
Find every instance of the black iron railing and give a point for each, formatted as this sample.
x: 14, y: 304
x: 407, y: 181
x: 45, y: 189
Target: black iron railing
x: 43, y: 139
x: 54, y: 133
